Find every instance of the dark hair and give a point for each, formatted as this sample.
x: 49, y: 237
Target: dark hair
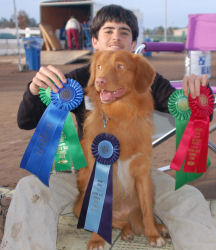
x: 117, y: 14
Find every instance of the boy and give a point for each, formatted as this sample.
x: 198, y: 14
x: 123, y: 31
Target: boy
x: 33, y: 214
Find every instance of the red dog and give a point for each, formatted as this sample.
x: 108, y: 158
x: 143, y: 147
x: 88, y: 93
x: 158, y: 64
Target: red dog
x: 119, y: 88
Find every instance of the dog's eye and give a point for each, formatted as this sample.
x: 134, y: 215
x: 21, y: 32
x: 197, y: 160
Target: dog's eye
x: 120, y: 66
x: 99, y: 67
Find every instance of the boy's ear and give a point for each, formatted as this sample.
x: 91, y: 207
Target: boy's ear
x: 145, y: 74
x: 134, y: 43
x: 95, y: 43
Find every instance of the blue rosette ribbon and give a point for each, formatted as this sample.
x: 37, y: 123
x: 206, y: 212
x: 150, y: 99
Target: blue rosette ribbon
x: 96, y: 212
x: 40, y: 152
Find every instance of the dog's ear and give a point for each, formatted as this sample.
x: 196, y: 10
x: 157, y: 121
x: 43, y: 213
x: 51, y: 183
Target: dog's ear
x: 93, y: 68
x: 145, y: 74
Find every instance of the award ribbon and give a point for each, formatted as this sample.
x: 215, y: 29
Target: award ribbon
x: 180, y: 110
x: 40, y: 152
x: 193, y: 147
x: 96, y: 212
x: 69, y: 148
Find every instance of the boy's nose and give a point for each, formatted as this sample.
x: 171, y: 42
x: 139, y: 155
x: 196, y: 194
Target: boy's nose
x: 116, y: 35
x: 100, y: 81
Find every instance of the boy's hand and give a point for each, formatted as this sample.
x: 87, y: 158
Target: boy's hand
x: 191, y: 84
x: 44, y: 78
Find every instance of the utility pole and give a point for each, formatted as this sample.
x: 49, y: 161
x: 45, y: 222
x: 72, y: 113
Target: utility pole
x: 165, y: 20
x: 17, y: 36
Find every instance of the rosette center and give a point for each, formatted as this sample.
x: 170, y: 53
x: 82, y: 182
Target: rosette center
x: 203, y: 100
x: 105, y: 149
x: 66, y: 94
x: 182, y: 104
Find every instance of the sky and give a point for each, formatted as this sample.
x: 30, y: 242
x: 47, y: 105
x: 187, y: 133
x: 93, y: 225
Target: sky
x: 152, y: 11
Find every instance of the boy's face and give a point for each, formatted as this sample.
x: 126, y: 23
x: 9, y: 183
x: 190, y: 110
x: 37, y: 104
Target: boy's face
x: 114, y: 36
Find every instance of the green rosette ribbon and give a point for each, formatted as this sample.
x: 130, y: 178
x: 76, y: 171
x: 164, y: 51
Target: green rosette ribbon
x: 45, y: 95
x: 180, y: 110
x: 69, y: 149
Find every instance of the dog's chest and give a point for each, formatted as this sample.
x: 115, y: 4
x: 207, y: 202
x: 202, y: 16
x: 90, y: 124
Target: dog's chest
x: 123, y: 180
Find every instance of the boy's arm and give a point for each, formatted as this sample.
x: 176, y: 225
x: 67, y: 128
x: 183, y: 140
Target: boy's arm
x: 161, y: 91
x: 30, y: 110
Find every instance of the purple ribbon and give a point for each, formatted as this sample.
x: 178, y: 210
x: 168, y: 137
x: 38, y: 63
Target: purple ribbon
x: 96, y: 212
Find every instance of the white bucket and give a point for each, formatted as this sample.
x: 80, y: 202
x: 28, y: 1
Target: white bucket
x: 198, y: 63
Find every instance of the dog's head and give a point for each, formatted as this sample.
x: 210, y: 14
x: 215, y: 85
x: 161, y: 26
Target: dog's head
x: 115, y: 74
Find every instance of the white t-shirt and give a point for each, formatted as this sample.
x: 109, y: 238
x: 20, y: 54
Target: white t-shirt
x: 72, y: 23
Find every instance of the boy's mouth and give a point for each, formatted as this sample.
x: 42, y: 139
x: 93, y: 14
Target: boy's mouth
x: 115, y: 46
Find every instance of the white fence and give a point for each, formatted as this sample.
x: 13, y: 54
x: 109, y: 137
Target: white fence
x: 22, y: 32
x: 9, y: 47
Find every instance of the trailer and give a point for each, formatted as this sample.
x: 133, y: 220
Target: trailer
x: 57, y: 13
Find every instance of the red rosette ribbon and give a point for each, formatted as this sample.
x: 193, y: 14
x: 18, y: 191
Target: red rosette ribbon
x: 193, y: 147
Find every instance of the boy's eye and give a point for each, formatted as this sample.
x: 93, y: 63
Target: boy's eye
x: 125, y: 33
x: 99, y: 67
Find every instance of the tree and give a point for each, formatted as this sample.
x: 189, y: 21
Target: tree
x: 147, y: 32
x: 32, y: 22
x: 24, y: 20
x: 12, y: 23
x: 170, y: 31
x: 4, y: 22
x: 160, y: 30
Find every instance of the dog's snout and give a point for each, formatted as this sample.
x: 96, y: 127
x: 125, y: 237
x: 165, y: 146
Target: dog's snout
x: 100, y: 81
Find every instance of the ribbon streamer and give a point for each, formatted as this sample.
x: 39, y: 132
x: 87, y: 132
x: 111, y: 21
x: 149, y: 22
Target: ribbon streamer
x: 69, y: 148
x: 193, y: 146
x: 40, y: 152
x: 96, y: 212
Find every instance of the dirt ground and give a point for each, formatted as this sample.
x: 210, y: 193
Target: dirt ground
x: 14, y: 140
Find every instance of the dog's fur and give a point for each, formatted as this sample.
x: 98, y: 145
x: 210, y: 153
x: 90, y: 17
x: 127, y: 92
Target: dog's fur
x: 128, y: 113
